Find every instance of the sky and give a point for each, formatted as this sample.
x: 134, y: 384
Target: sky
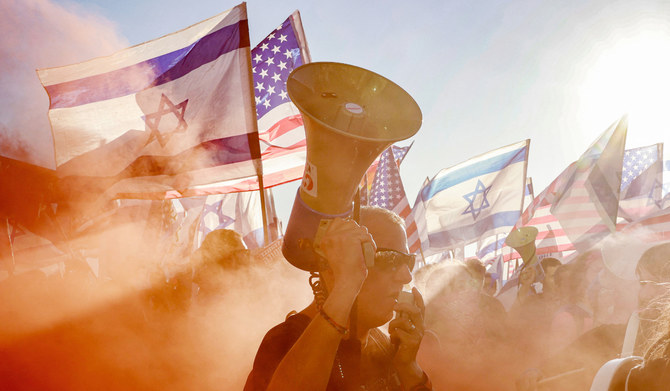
x: 485, y: 73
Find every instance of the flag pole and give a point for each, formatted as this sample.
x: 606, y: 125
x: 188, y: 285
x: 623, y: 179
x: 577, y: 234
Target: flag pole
x: 259, y: 162
x: 11, y: 249
x: 264, y: 214
x: 423, y: 258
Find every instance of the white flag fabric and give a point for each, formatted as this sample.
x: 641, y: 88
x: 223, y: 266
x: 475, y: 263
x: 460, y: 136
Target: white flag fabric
x: 417, y: 216
x: 653, y: 228
x: 586, y: 204
x: 475, y: 198
x: 489, y: 248
x: 280, y: 127
x: 551, y: 237
x: 641, y: 182
x: 240, y: 212
x: 156, y: 119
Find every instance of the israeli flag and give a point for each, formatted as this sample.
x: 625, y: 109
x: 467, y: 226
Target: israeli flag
x: 476, y: 198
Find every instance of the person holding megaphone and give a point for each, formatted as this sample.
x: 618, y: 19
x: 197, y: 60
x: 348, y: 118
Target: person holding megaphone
x: 358, y: 266
x: 315, y: 349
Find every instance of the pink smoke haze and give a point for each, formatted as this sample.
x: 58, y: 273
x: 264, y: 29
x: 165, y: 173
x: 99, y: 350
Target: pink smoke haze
x: 37, y: 34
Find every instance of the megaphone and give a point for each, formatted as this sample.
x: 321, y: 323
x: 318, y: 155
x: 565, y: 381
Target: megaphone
x: 350, y: 116
x: 523, y: 241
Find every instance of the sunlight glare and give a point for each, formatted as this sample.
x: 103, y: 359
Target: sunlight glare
x: 631, y: 76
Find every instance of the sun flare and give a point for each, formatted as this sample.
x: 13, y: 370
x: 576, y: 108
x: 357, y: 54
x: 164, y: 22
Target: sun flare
x: 631, y: 75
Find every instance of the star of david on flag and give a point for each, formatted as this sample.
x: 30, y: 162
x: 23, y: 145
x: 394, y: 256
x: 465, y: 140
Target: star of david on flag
x: 241, y: 212
x: 477, y: 200
x: 641, y: 182
x: 474, y: 199
x: 165, y: 108
x: 161, y: 118
x: 213, y: 217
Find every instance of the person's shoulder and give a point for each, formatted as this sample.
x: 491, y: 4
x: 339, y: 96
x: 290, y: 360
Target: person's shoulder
x: 492, y: 304
x: 293, y: 324
x: 276, y: 343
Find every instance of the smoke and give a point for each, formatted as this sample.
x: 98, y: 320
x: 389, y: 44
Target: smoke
x: 139, y: 324
x: 37, y: 34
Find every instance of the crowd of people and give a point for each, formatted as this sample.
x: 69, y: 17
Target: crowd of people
x: 230, y: 319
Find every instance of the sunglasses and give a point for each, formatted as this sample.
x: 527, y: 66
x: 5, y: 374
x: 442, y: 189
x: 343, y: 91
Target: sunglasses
x: 388, y: 259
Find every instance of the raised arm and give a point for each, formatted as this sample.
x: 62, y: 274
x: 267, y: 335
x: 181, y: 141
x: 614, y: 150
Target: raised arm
x: 314, y: 351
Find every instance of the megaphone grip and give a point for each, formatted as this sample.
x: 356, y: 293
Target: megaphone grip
x: 369, y: 254
x: 303, y: 225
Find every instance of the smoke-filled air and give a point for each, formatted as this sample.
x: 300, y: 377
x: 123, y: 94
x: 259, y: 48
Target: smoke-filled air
x: 337, y: 196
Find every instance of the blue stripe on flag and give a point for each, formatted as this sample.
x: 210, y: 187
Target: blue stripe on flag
x: 212, y: 153
x: 495, y: 163
x: 491, y: 247
x: 168, y: 67
x: 448, y: 238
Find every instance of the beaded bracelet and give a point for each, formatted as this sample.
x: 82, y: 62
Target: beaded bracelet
x: 340, y: 329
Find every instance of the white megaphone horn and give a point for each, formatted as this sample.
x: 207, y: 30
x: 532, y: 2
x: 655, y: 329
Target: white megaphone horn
x: 350, y: 116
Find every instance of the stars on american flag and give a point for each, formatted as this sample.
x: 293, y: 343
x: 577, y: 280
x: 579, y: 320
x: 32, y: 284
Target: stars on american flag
x: 272, y: 61
x: 635, y: 161
x: 387, y: 190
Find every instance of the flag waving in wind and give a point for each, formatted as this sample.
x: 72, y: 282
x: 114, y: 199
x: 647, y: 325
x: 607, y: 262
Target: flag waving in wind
x: 586, y: 204
x: 475, y: 198
x: 280, y: 127
x: 641, y: 182
x: 388, y: 192
x: 157, y: 119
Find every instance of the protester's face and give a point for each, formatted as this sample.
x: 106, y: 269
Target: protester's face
x: 381, y: 288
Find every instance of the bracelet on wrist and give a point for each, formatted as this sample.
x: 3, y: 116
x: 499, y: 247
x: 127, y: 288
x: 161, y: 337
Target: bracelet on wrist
x: 340, y: 329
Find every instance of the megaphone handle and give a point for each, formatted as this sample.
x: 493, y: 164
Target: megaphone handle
x: 366, y: 247
x: 368, y: 250
x: 369, y: 254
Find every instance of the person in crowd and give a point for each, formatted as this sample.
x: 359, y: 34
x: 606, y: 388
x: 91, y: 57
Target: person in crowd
x: 222, y: 250
x: 575, y: 366
x: 574, y: 316
x: 317, y: 349
x: 549, y: 266
x: 531, y: 315
x: 490, y: 307
x: 490, y: 284
x: 653, y: 373
x: 466, y: 338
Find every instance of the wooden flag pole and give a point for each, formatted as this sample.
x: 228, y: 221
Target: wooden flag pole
x: 11, y: 249
x: 261, y: 189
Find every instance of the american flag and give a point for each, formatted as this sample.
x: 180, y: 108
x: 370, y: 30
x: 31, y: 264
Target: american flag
x: 587, y: 203
x: 652, y: 228
x: 568, y: 212
x: 550, y: 238
x: 388, y: 192
x: 368, y: 179
x: 641, y: 182
x: 280, y: 127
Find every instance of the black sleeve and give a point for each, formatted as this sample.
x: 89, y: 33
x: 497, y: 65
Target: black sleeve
x: 276, y: 343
